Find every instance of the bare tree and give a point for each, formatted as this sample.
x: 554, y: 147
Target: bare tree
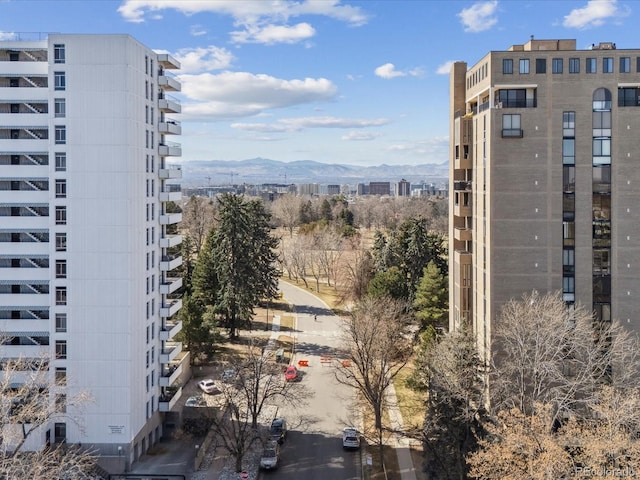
x: 30, y: 402
x: 330, y: 248
x: 299, y: 258
x: 197, y: 219
x: 548, y: 354
x: 356, y: 275
x: 286, y: 209
x: 378, y: 346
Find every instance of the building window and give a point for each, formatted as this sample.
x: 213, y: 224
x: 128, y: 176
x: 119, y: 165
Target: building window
x: 511, y: 126
x: 568, y: 178
x: 541, y: 65
x: 60, y: 107
x: 591, y: 66
x: 524, y: 65
x: 628, y: 97
x: 61, y: 134
x: 61, y: 376
x: 556, y: 65
x: 507, y: 66
x: 61, y: 295
x: 568, y: 285
x: 60, y: 81
x: 607, y: 65
x: 61, y: 269
x: 574, y: 65
x: 58, y: 53
x: 61, y: 349
x: 61, y: 403
x: 568, y: 261
x: 61, y: 162
x: 514, y: 98
x: 61, y: 242
x: 61, y: 215
x: 61, y: 322
x: 568, y: 151
x: 146, y: 90
x: 568, y: 124
x: 568, y: 233
x: 61, y: 188
x: 60, y: 433
x: 601, y: 151
x: 568, y: 207
x: 625, y: 64
x: 602, y: 312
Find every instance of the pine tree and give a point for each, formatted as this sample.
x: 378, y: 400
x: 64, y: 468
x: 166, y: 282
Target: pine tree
x: 432, y: 298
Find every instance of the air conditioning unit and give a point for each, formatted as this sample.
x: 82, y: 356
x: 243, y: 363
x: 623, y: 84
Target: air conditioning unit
x: 499, y: 105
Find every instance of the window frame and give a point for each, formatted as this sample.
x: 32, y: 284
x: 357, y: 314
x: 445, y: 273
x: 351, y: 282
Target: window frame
x: 524, y: 66
x: 61, y: 161
x: 61, y: 268
x: 507, y: 66
x: 59, y: 53
x: 61, y: 215
x: 61, y: 241
x: 60, y: 107
x: 607, y: 64
x: 61, y: 188
x: 541, y: 66
x: 61, y: 295
x: 591, y: 65
x: 624, y: 64
x: 60, y: 135
x: 59, y: 81
x: 574, y: 65
x: 61, y: 322
x: 61, y: 350
x: 557, y: 66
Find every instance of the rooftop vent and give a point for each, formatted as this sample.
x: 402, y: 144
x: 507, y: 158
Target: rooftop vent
x: 603, y: 46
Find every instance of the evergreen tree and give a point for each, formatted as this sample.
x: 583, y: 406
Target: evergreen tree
x: 242, y: 261
x: 432, y: 298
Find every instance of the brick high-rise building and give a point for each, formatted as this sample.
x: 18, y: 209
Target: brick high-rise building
x: 544, y: 181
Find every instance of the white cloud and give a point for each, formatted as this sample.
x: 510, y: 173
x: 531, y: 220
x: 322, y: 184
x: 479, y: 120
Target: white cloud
x: 260, y: 20
x: 198, y: 30
x: 594, y: 14
x: 359, y: 136
x: 480, y: 16
x: 203, y: 59
x: 302, y: 123
x: 271, y: 34
x: 388, y: 70
x: 240, y: 94
x: 445, y: 68
x: 436, y: 146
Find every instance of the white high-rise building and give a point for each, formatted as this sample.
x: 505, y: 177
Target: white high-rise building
x: 87, y: 246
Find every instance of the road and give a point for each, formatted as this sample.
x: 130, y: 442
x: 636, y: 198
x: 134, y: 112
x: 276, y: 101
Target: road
x: 313, y: 449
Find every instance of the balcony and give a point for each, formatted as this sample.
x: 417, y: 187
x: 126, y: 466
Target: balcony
x: 27, y: 223
x: 170, y: 218
x: 170, y: 308
x: 25, y: 275
x: 26, y: 351
x: 463, y: 234
x: 170, y: 149
x: 168, y: 82
x: 462, y: 257
x: 23, y: 68
x: 170, y: 352
x: 24, y: 249
x: 23, y: 119
x: 167, y: 61
x: 24, y: 171
x: 170, y: 127
x: 461, y: 210
x: 169, y: 104
x: 170, y: 172
x: 170, y: 285
x: 24, y: 197
x: 21, y: 145
x: 169, y: 263
x: 23, y: 94
x: 462, y: 185
x: 172, y: 374
x: 170, y: 241
x: 170, y: 330
x: 169, y: 400
x: 170, y: 193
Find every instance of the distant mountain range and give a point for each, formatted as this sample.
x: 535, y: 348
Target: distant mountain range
x: 197, y: 173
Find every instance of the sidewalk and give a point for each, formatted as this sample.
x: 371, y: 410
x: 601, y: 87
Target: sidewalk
x: 402, y: 444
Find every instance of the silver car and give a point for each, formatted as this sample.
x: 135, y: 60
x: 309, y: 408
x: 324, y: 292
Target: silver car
x: 270, y: 456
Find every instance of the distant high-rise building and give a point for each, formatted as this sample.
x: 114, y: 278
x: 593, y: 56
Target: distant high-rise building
x: 333, y: 189
x: 544, y: 181
x: 88, y: 245
x: 404, y: 188
x: 379, y: 188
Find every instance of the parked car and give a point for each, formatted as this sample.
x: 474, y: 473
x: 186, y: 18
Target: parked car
x: 278, y: 430
x: 195, y: 402
x: 209, y: 386
x: 291, y: 374
x: 350, y: 438
x: 270, y: 456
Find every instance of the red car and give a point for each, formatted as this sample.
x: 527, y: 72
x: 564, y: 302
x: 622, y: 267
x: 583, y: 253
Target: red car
x: 291, y: 374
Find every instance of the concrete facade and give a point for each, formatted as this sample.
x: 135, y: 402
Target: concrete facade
x: 543, y: 181
x: 84, y: 185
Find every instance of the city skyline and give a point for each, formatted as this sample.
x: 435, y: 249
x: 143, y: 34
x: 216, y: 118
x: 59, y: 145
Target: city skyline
x: 344, y: 82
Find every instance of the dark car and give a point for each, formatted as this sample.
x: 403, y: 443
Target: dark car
x: 278, y: 430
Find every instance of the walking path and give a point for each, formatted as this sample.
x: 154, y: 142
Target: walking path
x: 403, y: 444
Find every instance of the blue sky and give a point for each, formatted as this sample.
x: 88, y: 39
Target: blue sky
x: 359, y: 82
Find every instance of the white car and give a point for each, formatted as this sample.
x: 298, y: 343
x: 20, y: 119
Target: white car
x: 209, y: 386
x: 350, y: 438
x: 270, y: 456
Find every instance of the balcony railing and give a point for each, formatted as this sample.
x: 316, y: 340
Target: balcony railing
x: 170, y: 285
x: 170, y: 352
x: 170, y: 127
x: 168, y: 263
x: 170, y: 241
x: 170, y: 308
x: 167, y: 61
x: 170, y: 330
x: 170, y: 171
x: 168, y: 81
x: 170, y: 149
x: 168, y: 400
x: 168, y: 104
x: 170, y: 218
x: 170, y: 375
